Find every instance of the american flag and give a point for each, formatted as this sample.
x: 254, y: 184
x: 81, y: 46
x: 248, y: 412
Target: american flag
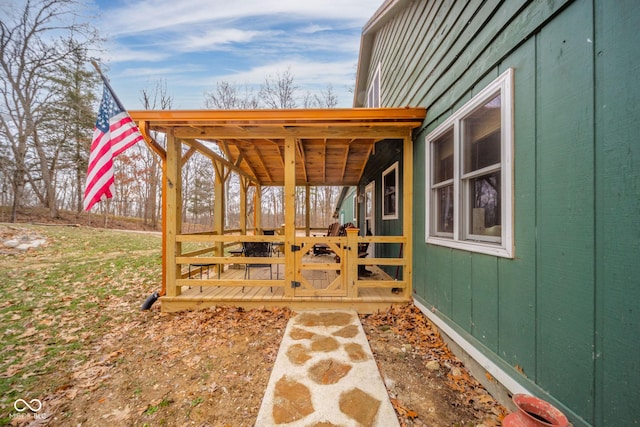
x: 115, y: 132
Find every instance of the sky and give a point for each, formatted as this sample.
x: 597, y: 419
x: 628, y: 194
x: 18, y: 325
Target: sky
x: 191, y: 45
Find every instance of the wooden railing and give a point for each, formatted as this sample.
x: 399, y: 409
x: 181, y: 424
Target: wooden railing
x: 349, y: 265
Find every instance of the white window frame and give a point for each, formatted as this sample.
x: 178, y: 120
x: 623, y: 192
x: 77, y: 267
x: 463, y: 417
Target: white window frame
x: 354, y: 203
x: 373, y: 93
x: 391, y: 169
x: 461, y: 238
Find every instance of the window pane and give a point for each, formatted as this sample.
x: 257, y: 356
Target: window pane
x: 368, y: 210
x: 485, y: 205
x: 481, y: 130
x: 443, y: 158
x: 389, y: 184
x: 444, y: 217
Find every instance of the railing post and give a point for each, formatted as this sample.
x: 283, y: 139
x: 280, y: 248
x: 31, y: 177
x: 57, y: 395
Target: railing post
x: 351, y: 254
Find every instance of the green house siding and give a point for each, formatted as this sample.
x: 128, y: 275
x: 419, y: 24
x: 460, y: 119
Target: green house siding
x: 346, y: 207
x: 562, y: 316
x: 617, y: 211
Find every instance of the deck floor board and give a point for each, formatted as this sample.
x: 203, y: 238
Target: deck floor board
x: 369, y: 299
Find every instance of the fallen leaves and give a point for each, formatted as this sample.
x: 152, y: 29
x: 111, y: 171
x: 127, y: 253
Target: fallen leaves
x: 421, y: 340
x: 402, y: 410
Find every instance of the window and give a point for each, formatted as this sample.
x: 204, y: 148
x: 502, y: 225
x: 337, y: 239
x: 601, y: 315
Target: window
x: 373, y: 93
x: 390, y: 192
x: 469, y: 174
x: 355, y: 207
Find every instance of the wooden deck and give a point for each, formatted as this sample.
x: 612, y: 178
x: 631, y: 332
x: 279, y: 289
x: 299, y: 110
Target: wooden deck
x: 369, y: 298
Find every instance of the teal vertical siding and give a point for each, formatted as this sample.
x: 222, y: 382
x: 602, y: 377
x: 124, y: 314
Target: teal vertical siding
x: 484, y: 300
x: 462, y: 292
x: 517, y: 277
x: 562, y: 316
x: 565, y: 208
x: 617, y: 112
x: 346, y: 208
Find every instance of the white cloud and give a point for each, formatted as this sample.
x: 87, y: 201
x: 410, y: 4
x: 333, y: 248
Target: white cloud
x: 146, y: 72
x: 165, y: 14
x: 314, y: 28
x: 215, y: 39
x: 117, y: 52
x: 193, y: 44
x: 308, y: 75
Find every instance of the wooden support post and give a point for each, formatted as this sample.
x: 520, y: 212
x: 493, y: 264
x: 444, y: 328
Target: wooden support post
x: 351, y: 268
x: 407, y: 213
x: 163, y: 292
x: 289, y: 213
x: 257, y: 210
x: 174, y: 212
x: 219, y: 210
x: 244, y: 183
x: 307, y: 210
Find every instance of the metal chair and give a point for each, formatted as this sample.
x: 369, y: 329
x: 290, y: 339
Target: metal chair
x: 257, y: 249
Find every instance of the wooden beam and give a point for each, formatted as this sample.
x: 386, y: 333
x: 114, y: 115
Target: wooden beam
x: 152, y: 143
x: 219, y: 209
x: 324, y: 160
x: 289, y: 213
x: 213, y: 156
x: 243, y: 204
x: 317, y: 116
x: 303, y: 160
x: 174, y: 212
x: 263, y: 164
x: 307, y: 210
x: 364, y: 164
x: 266, y: 133
x: 345, y: 161
x: 257, y: 209
x: 190, y: 152
x: 163, y: 291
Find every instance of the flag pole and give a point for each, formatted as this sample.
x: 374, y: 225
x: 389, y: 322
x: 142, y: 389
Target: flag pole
x: 106, y: 83
x: 151, y: 299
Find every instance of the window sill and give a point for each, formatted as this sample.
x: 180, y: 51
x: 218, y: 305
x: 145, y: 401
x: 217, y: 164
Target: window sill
x: 483, y: 248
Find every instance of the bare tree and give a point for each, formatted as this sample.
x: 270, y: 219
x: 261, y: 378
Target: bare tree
x: 230, y: 97
x: 153, y: 100
x: 326, y: 99
x: 279, y: 91
x: 30, y: 54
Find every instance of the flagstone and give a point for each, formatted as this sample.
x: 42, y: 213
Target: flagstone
x: 328, y: 371
x: 359, y: 406
x: 292, y: 401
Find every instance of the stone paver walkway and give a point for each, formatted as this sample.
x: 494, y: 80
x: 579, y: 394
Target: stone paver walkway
x: 325, y: 375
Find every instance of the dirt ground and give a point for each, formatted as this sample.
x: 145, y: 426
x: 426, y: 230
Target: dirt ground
x: 211, y: 367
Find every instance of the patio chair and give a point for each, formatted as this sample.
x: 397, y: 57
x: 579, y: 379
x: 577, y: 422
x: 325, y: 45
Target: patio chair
x: 324, y: 249
x: 257, y: 249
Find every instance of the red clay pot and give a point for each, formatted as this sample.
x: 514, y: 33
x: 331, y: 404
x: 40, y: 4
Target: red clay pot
x: 534, y: 412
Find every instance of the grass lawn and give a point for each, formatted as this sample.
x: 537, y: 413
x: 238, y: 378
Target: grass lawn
x: 59, y: 299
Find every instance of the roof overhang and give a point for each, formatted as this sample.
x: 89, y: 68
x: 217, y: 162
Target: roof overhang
x: 332, y: 145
